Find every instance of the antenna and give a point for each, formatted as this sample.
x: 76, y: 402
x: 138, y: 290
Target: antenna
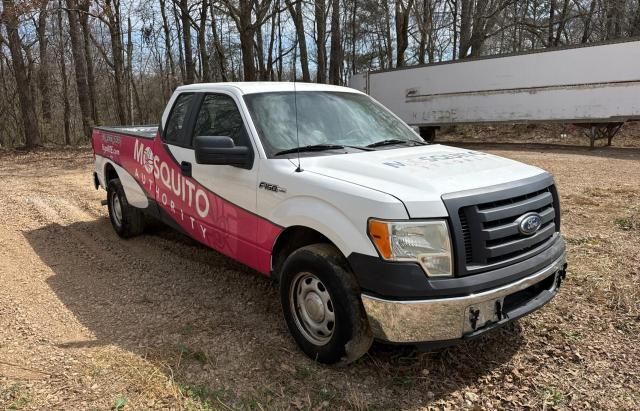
x: 295, y: 105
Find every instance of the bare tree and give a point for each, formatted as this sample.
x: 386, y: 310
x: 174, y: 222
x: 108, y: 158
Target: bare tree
x: 190, y: 67
x: 66, y: 111
x: 88, y: 55
x: 335, y: 62
x: 321, y: 38
x: 242, y: 14
x: 295, y: 9
x: 402, y: 29
x: 43, y: 72
x: 27, y: 106
x: 79, y: 61
x: 167, y: 44
x: 205, y: 72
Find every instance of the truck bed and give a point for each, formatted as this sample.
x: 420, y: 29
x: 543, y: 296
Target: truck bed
x: 135, y: 131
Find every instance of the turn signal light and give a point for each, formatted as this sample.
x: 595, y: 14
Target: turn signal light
x: 379, y: 232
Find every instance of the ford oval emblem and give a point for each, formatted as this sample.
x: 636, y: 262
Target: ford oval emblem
x: 529, y: 223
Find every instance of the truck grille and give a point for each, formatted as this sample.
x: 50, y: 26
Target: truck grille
x: 485, y: 230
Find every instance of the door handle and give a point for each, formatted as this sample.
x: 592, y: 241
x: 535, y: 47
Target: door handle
x: 185, y: 168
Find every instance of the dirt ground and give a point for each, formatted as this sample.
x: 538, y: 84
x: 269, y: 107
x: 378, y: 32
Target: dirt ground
x: 90, y: 321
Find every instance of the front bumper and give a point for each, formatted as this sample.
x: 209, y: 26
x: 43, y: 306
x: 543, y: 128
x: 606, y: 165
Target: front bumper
x: 443, y: 319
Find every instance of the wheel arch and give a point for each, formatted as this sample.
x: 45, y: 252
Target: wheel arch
x: 110, y: 173
x: 291, y: 239
x: 108, y: 170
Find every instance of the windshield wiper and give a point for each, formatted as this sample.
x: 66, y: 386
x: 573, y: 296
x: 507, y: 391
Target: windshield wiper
x: 394, y: 141
x: 312, y: 147
x: 319, y: 147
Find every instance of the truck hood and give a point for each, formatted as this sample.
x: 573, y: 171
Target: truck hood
x: 419, y: 176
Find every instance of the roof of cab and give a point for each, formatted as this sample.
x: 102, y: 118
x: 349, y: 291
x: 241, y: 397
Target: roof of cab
x: 251, y: 87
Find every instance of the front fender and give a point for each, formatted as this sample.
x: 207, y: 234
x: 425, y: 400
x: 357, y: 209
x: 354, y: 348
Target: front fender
x: 319, y: 215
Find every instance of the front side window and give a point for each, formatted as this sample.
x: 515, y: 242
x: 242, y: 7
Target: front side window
x: 219, y: 116
x: 175, y: 128
x: 322, y: 118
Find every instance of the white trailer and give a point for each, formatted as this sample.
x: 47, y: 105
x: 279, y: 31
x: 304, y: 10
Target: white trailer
x: 595, y: 86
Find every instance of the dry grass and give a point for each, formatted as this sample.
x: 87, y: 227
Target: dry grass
x: 89, y: 321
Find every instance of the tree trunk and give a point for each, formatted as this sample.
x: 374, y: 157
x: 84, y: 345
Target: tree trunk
x: 402, y: 30
x: 354, y: 36
x: 335, y: 63
x: 635, y: 28
x: 190, y: 67
x: 296, y: 15
x: 66, y: 109
x: 552, y: 12
x: 483, y: 21
x: 321, y: 33
x: 202, y: 43
x: 561, y: 23
x: 280, y: 64
x: 387, y: 38
x: 586, y: 33
x: 454, y: 15
x: 91, y: 78
x: 246, y: 42
x: 129, y: 76
x: 466, y: 18
x: 81, y: 71
x: 112, y: 9
x: 173, y: 83
x: 43, y: 73
x: 614, y: 13
x: 27, y: 106
x: 176, y: 18
x: 218, y: 45
x: 272, y: 41
x: 259, y: 50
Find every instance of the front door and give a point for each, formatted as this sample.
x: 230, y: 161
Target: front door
x: 217, y: 203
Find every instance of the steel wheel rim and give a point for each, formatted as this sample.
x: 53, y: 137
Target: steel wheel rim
x: 116, y: 207
x: 312, y: 308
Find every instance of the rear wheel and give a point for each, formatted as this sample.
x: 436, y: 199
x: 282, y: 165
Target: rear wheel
x: 126, y: 220
x: 321, y: 302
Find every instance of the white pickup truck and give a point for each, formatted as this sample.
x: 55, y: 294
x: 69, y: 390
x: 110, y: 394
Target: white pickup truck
x: 369, y: 231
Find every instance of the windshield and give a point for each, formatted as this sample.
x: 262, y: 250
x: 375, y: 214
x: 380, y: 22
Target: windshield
x: 334, y: 118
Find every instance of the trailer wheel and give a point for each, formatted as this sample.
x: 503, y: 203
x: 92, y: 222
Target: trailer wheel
x: 322, y: 307
x: 428, y: 134
x: 126, y: 220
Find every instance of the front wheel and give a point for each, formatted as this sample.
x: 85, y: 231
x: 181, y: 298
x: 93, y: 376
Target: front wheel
x: 321, y: 302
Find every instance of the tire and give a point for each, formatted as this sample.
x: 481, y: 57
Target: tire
x: 126, y: 220
x: 322, y: 307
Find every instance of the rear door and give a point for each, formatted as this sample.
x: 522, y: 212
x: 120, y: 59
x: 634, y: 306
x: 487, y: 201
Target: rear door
x: 171, y: 188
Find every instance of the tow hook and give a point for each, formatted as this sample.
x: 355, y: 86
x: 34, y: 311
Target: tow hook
x: 474, y: 314
x: 499, y: 312
x: 562, y: 274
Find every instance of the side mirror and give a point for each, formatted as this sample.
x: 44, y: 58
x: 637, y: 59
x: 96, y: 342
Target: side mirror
x: 220, y: 150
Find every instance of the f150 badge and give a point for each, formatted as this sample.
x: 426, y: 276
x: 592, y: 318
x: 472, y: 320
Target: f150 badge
x: 272, y: 187
x: 529, y: 223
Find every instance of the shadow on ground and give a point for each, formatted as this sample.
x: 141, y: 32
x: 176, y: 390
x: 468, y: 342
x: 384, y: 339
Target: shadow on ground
x: 213, y: 324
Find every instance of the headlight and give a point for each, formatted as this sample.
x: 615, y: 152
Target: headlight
x: 425, y: 242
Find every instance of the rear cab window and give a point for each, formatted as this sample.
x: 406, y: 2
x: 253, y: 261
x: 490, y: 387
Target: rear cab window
x: 175, y: 131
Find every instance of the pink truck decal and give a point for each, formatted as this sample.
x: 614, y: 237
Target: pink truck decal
x: 201, y: 213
